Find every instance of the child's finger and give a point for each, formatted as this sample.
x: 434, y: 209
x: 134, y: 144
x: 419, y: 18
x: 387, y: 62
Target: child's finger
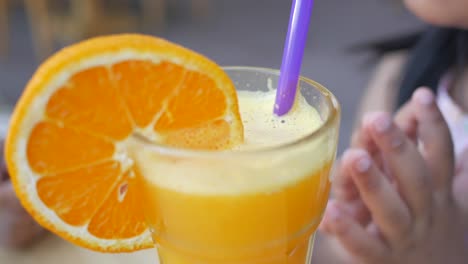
x: 361, y: 139
x: 407, y: 122
x: 343, y: 187
x: 388, y: 210
x: 355, y: 209
x: 354, y: 238
x: 404, y: 162
x: 435, y: 138
x: 430, y: 128
x: 359, y: 211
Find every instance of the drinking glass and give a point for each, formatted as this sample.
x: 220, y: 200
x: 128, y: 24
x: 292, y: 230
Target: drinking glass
x: 254, y: 206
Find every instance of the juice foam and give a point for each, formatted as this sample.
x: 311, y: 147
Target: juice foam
x: 263, y: 129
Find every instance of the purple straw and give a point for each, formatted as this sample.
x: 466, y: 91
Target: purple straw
x: 292, y: 57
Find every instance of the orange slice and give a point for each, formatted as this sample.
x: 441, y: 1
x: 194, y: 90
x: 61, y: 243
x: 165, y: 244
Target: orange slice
x: 66, y: 147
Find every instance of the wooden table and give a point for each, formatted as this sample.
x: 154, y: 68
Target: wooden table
x: 53, y: 250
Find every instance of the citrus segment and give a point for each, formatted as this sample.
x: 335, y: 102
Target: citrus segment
x: 144, y: 103
x: 189, y: 101
x: 122, y: 211
x: 66, y: 149
x: 76, y: 196
x: 90, y: 101
x: 52, y: 148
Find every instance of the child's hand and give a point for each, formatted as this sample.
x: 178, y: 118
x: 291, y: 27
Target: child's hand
x: 17, y: 228
x: 414, y: 215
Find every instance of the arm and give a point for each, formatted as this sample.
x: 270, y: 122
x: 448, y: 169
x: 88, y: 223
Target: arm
x: 382, y: 91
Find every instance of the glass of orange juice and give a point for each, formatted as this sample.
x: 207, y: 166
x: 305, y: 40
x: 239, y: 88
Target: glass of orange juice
x: 259, y: 203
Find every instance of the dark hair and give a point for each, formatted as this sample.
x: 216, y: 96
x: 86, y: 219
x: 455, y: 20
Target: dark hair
x: 434, y: 51
x: 437, y: 51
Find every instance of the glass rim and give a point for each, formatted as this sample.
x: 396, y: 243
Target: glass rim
x: 331, y: 102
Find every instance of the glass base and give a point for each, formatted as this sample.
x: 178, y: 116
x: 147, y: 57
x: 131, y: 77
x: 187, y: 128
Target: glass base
x: 300, y: 254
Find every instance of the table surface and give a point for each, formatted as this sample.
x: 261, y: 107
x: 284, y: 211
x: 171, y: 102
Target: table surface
x: 53, y: 250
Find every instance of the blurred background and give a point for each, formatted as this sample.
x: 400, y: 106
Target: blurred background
x: 231, y: 32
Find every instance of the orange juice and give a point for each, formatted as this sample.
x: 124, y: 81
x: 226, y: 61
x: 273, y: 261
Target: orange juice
x: 250, y: 228
x: 260, y: 203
